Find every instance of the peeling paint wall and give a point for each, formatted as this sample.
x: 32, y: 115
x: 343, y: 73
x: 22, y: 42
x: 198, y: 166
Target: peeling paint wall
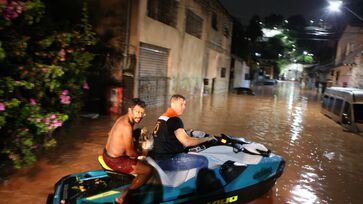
x: 357, y: 73
x: 185, y: 51
x: 349, y: 70
x: 191, y: 59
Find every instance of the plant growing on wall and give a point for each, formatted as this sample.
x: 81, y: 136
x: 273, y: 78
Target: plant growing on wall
x: 42, y: 77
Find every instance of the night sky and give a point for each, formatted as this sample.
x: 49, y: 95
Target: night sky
x: 245, y: 9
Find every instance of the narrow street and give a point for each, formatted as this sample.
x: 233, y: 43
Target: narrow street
x: 323, y: 162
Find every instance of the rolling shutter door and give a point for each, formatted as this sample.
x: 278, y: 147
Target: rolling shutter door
x: 153, y: 74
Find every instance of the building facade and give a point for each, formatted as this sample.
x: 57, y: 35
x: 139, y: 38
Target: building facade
x: 348, y: 70
x: 166, y: 46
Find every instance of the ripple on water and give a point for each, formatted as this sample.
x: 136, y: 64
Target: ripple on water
x: 323, y: 162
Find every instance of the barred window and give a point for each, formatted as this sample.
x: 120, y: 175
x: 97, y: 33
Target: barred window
x: 214, y: 21
x: 164, y: 11
x: 194, y: 24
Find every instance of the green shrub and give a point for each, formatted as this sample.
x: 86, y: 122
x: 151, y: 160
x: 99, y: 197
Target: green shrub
x: 43, y: 75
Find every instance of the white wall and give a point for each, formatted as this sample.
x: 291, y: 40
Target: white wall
x: 240, y: 70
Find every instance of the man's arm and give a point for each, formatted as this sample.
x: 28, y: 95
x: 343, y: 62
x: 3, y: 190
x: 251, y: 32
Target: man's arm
x: 128, y: 142
x: 187, y: 141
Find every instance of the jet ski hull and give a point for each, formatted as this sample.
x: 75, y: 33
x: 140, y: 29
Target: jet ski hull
x: 232, y: 176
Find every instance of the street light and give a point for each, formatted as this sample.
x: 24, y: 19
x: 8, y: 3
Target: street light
x: 337, y: 5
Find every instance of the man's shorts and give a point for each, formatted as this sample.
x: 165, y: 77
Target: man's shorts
x: 121, y: 164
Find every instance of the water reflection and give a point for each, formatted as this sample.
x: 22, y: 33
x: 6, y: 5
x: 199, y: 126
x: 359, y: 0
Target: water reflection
x: 304, y: 194
x: 287, y: 119
x: 323, y: 163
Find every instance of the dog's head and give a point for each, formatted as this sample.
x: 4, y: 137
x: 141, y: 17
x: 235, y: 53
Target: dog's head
x: 146, y: 139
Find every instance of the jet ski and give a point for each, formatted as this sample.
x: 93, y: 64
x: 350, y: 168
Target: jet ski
x: 238, y: 171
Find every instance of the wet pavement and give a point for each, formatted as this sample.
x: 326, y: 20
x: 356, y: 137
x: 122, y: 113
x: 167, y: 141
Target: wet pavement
x: 324, y: 163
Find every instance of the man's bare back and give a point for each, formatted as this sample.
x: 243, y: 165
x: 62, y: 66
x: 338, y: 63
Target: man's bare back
x: 120, y: 142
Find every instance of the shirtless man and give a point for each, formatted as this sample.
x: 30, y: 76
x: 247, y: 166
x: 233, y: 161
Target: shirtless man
x: 120, y: 153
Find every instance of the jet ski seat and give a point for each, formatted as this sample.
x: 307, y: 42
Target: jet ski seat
x: 110, y: 171
x: 168, y: 178
x: 172, y: 178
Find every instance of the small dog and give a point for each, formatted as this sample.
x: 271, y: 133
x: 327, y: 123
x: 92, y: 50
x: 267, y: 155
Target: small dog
x: 146, y: 140
x: 143, y: 141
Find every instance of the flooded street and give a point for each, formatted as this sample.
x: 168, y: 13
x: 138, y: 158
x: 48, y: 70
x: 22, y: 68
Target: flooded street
x: 324, y: 164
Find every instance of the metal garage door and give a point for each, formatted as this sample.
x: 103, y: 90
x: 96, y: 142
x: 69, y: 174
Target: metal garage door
x: 153, y: 74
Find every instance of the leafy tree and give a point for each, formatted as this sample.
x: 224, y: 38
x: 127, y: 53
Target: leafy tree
x: 254, y: 29
x: 42, y: 73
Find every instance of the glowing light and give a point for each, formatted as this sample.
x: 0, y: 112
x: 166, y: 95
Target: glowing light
x: 304, y: 194
x: 335, y: 5
x: 268, y: 33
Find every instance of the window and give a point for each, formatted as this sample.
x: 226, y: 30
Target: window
x: 214, y: 21
x: 338, y: 106
x: 232, y: 62
x: 358, y: 113
x: 194, y: 24
x: 164, y: 11
x: 205, y: 81
x: 325, y: 102
x: 223, y: 72
x: 330, y: 103
x: 347, y: 111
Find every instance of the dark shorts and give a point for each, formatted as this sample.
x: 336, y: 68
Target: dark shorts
x: 121, y: 164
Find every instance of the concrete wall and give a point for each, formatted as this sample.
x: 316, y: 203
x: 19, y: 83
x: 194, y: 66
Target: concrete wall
x: 341, y: 76
x: 218, y: 50
x: 349, y: 70
x: 191, y: 59
x: 185, y: 51
x: 240, y: 71
x: 351, y: 39
x: 357, y: 73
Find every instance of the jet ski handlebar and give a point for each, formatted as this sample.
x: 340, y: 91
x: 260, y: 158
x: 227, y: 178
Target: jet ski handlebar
x: 222, y: 139
x: 238, y: 144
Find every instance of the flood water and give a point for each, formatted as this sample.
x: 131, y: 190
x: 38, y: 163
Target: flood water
x: 324, y: 164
